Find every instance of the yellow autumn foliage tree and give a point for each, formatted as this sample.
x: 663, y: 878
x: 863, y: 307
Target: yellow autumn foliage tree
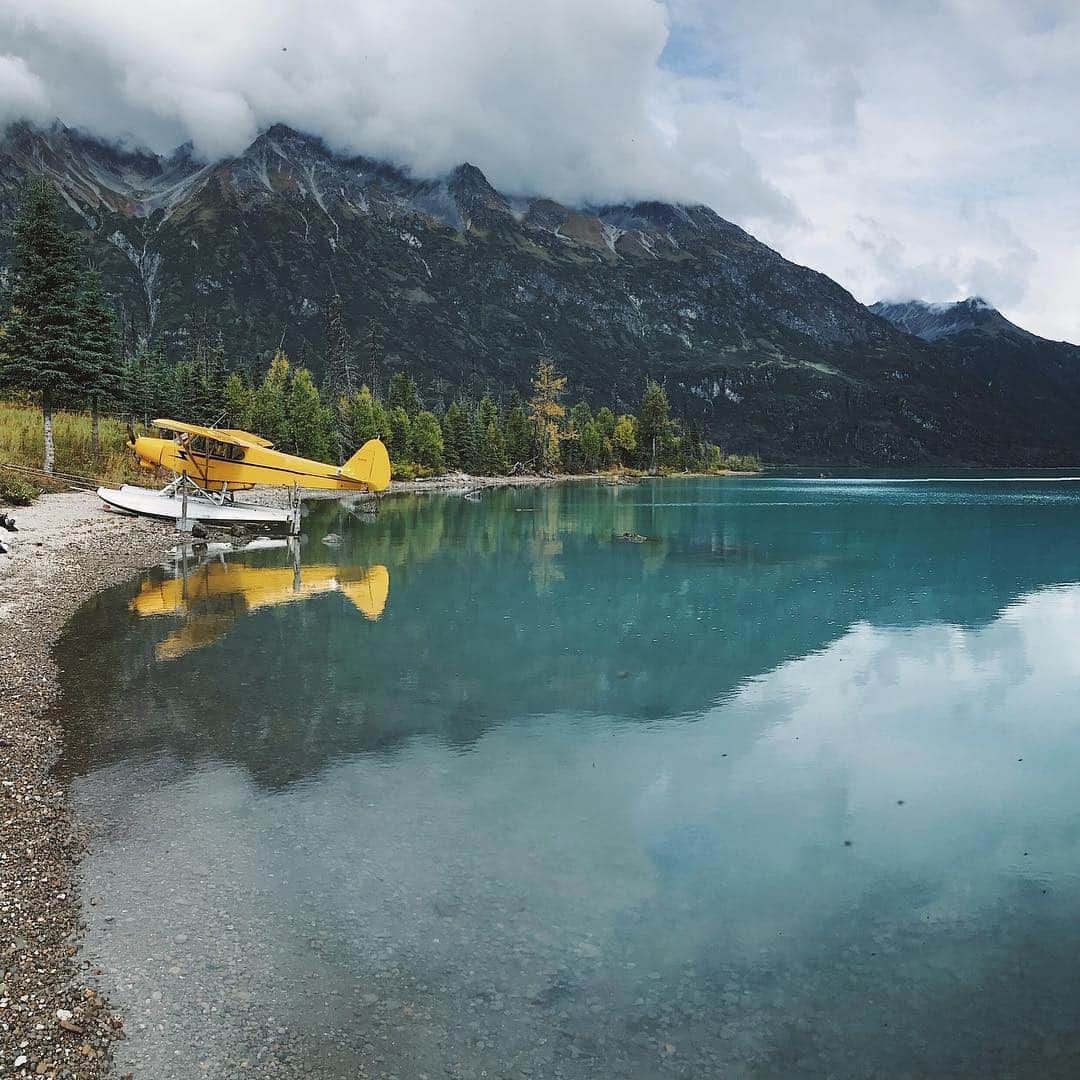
x: 546, y: 412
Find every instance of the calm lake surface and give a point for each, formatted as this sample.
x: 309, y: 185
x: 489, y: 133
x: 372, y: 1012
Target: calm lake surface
x: 791, y: 789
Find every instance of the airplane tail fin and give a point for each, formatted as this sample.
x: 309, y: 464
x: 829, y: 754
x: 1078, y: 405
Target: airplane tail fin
x: 370, y: 465
x: 370, y: 592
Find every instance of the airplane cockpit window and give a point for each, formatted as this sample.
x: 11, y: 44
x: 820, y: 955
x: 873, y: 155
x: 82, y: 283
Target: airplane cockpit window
x: 200, y: 445
x: 231, y: 451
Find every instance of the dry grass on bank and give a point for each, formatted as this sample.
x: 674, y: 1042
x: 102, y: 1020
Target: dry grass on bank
x: 22, y: 442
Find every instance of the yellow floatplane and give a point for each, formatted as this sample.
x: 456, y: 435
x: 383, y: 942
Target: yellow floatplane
x: 211, y: 464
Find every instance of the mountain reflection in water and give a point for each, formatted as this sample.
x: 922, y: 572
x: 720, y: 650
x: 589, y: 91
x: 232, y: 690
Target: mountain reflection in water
x: 499, y: 613
x: 786, y: 790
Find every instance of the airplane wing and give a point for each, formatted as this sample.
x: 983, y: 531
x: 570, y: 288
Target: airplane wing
x: 225, y: 435
x: 246, y: 436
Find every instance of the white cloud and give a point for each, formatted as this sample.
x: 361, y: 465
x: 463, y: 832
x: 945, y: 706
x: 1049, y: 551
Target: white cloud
x: 930, y: 147
x: 22, y: 96
x: 903, y: 149
x: 564, y: 99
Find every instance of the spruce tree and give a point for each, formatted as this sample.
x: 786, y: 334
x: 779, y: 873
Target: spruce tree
x: 471, y: 446
x: 428, y: 441
x: 340, y: 363
x: 492, y: 456
x: 520, y: 438
x: 210, y: 363
x: 491, y: 448
x: 187, y: 392
x: 374, y: 349
x: 488, y: 412
x: 572, y: 456
x: 161, y: 384
x: 400, y: 444
x: 42, y: 348
x: 383, y: 425
x: 236, y: 401
x: 341, y: 379
x: 148, y: 385
x: 653, y: 422
x: 311, y: 426
x: 454, y: 435
x: 98, y: 344
x: 361, y: 413
x: 404, y: 395
x: 591, y: 446
x: 268, y: 417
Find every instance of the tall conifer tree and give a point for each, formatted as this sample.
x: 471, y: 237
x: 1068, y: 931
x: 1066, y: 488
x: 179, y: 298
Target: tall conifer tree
x: 268, y: 417
x: 342, y: 383
x: 42, y: 349
x: 403, y: 394
x: 311, y: 427
x: 654, y: 425
x: 454, y: 428
x: 520, y: 438
x: 362, y: 420
x: 546, y: 412
x: 98, y: 344
x: 428, y: 441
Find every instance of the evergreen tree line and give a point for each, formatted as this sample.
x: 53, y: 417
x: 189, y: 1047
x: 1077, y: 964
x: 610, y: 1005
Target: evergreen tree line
x: 485, y: 437
x: 57, y: 340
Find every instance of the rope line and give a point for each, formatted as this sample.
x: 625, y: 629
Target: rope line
x: 68, y: 478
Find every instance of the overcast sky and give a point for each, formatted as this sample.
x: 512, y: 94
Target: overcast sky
x: 924, y: 149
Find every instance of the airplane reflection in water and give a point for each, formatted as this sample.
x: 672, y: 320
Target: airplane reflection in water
x: 215, y: 594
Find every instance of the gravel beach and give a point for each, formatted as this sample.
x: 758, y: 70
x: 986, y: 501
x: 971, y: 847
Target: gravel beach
x: 53, y: 1022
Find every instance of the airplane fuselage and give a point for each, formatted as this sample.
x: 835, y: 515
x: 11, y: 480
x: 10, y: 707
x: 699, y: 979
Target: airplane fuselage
x: 213, y: 465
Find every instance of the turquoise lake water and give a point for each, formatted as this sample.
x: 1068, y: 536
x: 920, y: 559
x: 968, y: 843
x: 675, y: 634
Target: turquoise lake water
x: 790, y: 789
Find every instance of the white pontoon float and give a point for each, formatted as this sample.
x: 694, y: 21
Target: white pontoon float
x: 186, y: 503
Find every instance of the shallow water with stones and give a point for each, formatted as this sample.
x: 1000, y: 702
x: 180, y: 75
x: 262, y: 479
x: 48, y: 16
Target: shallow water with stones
x: 788, y: 789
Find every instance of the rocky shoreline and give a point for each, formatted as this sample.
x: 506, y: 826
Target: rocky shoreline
x: 53, y: 1022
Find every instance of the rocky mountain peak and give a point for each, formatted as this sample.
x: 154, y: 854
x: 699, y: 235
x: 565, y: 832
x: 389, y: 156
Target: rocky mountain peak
x: 477, y: 201
x: 284, y: 141
x: 934, y: 321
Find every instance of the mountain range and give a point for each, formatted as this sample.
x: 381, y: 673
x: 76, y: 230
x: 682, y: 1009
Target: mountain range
x: 465, y: 286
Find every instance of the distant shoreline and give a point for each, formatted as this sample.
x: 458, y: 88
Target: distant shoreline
x: 611, y: 479
x: 461, y: 483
